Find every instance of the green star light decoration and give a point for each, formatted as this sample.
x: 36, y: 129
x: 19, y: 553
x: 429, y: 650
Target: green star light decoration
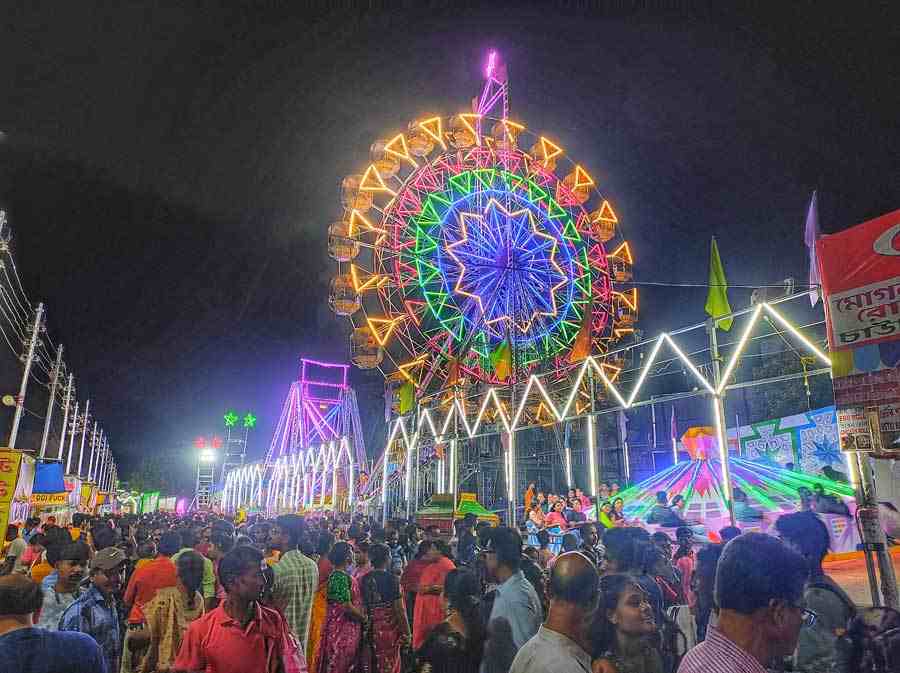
x: 231, y: 419
x: 249, y: 420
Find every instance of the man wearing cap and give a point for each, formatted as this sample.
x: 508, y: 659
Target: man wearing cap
x: 94, y: 612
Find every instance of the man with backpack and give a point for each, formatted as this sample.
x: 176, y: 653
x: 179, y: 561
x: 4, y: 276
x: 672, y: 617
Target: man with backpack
x: 806, y: 534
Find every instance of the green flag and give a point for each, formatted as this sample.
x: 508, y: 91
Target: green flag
x: 501, y: 359
x: 717, y: 299
x: 407, y: 396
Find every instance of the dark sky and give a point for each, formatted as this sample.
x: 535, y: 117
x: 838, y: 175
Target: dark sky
x: 170, y: 171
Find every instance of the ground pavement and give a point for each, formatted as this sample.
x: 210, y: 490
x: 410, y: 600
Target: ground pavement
x: 851, y: 575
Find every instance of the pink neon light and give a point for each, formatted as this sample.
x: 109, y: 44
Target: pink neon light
x: 492, y: 60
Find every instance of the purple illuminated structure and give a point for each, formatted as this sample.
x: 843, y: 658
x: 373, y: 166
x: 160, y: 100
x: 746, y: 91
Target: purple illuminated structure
x: 317, y: 449
x: 320, y: 407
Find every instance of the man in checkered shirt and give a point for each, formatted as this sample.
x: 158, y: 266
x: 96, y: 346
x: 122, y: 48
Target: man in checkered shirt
x: 759, y: 591
x: 296, y: 576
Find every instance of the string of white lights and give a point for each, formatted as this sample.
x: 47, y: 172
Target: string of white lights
x: 535, y: 387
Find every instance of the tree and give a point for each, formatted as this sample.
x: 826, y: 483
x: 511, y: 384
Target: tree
x: 167, y: 472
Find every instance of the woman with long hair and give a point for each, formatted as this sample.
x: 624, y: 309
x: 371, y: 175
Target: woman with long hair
x: 429, y: 609
x: 456, y: 644
x: 388, y: 629
x: 684, y: 560
x: 412, y: 574
x: 624, y: 632
x: 338, y: 651
x: 320, y: 603
x: 170, y: 611
x: 605, y: 519
x: 535, y: 518
x: 556, y: 518
x: 629, y: 552
x: 617, y: 515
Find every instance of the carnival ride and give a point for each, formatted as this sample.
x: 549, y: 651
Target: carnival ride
x: 463, y: 257
x: 771, y: 490
x: 474, y: 252
x: 317, y: 457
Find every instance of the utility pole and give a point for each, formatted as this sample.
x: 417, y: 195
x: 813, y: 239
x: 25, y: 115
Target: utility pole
x: 57, y: 371
x: 720, y: 417
x: 72, y: 432
x: 84, y: 424
x: 95, y: 463
x: 23, y: 387
x: 93, y: 448
x: 65, y: 423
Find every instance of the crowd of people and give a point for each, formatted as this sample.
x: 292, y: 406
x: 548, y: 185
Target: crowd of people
x: 331, y: 593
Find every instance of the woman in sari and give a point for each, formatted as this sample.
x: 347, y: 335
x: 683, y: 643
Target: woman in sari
x: 169, y: 613
x: 320, y: 602
x: 388, y: 628
x: 412, y: 575
x: 339, y: 648
x: 457, y: 643
x: 429, y: 610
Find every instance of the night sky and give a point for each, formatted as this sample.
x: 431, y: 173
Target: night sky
x: 170, y: 172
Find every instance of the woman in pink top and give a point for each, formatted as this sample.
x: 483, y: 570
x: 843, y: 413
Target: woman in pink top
x: 556, y: 517
x: 684, y: 562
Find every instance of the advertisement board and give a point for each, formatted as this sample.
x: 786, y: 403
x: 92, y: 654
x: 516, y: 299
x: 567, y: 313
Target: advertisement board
x: 860, y: 271
x: 9, y: 472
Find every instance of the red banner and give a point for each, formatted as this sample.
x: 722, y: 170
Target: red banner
x: 860, y: 271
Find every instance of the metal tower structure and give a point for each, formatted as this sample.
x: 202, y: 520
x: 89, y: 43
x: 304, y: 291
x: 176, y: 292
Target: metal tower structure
x: 235, y: 454
x: 320, y: 407
x: 317, y: 448
x: 206, y: 476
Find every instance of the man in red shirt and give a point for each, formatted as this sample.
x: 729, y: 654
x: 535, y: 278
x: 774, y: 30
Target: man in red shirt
x: 160, y: 573
x: 240, y: 635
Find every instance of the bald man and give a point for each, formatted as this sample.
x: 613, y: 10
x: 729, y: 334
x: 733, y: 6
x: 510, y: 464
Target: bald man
x: 561, y: 644
x: 25, y: 648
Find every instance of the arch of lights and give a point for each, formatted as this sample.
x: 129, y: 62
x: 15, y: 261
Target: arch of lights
x: 456, y: 418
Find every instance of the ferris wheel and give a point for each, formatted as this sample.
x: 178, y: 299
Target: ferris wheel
x: 474, y: 249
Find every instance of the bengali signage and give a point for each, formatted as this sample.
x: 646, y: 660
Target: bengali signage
x: 49, y: 499
x: 860, y: 271
x: 9, y: 473
x: 865, y: 315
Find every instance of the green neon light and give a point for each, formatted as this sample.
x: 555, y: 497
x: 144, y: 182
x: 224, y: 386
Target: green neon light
x: 231, y: 419
x: 249, y: 420
x: 424, y: 229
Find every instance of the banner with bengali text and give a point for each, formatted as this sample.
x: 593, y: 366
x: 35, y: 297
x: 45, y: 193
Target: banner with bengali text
x: 860, y: 272
x: 9, y: 473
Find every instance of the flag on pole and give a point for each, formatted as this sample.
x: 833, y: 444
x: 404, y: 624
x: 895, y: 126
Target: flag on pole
x: 407, y: 397
x: 810, y: 236
x: 717, y: 298
x: 673, y: 431
x: 453, y: 372
x: 501, y: 359
x: 581, y: 347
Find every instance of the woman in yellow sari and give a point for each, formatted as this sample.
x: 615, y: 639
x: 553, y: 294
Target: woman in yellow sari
x: 320, y: 603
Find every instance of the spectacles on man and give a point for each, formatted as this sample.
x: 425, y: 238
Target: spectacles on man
x: 807, y: 616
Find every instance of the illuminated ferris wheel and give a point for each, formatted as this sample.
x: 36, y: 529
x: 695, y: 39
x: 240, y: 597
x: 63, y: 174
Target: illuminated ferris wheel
x: 472, y: 248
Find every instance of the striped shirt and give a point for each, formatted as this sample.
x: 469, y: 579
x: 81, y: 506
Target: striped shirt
x: 296, y: 581
x: 718, y: 653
